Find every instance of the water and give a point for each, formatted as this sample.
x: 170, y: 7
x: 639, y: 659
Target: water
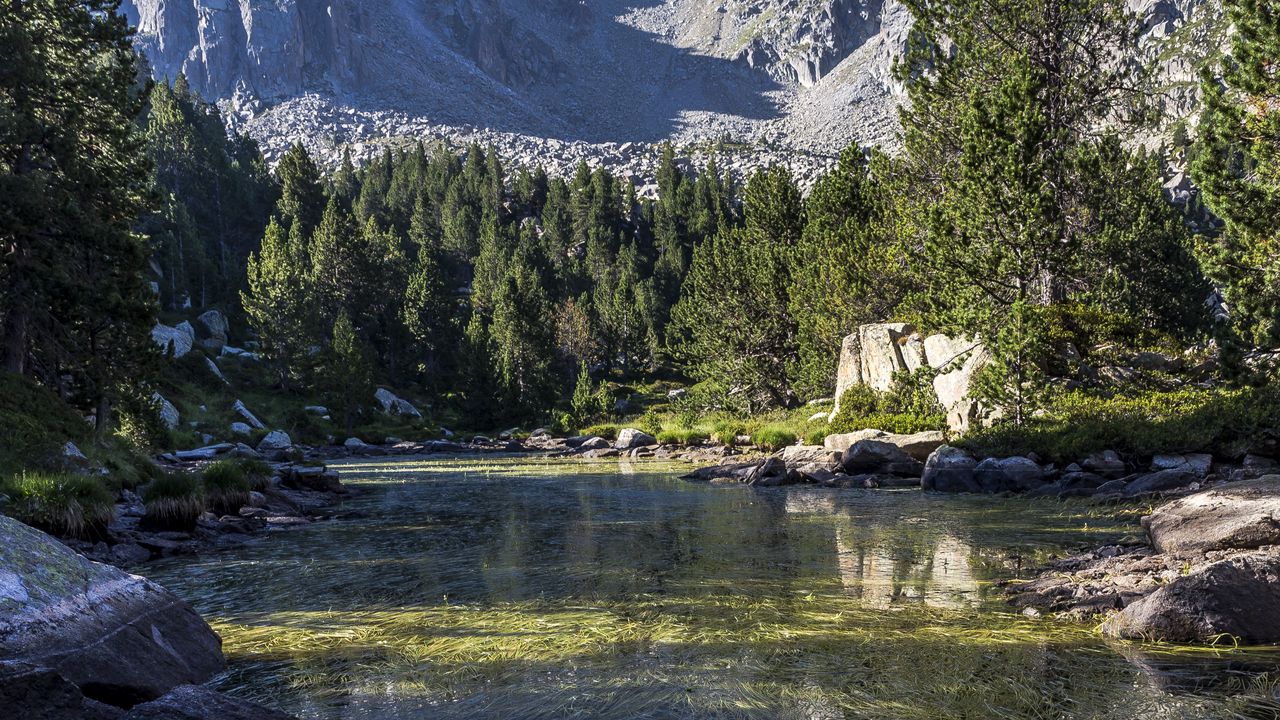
x: 523, y: 588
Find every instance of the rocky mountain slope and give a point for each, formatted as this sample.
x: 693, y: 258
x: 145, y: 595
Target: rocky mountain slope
x: 555, y: 81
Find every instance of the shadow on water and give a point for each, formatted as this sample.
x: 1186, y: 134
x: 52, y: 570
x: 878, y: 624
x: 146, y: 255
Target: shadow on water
x: 518, y: 588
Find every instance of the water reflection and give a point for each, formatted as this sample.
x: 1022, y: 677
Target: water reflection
x: 500, y: 589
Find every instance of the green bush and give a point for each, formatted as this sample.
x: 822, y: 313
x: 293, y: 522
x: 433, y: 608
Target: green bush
x: 773, y: 438
x: 61, y: 504
x: 36, y: 424
x: 226, y: 488
x: 682, y: 436
x: 606, y: 431
x: 1076, y: 424
x: 174, y: 501
x: 909, y: 406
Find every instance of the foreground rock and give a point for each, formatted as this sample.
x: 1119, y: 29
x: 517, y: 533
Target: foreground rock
x: 1212, y: 574
x: 918, y: 445
x: 1235, y: 599
x: 192, y: 702
x: 119, y: 638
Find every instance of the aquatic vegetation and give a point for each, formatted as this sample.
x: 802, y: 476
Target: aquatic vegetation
x: 62, y: 504
x: 517, y: 587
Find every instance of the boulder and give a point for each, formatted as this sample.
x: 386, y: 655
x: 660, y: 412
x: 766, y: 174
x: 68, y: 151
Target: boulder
x: 208, y: 452
x: 1259, y: 465
x: 593, y: 443
x: 1157, y: 481
x: 168, y: 413
x: 239, y: 428
x: 772, y: 472
x: 276, y: 440
x: 72, y: 455
x: 355, y: 443
x: 193, y: 702
x: 1106, y: 463
x: 1238, y: 515
x: 217, y: 329
x: 1011, y: 474
x: 217, y: 371
x: 875, y: 456
x: 917, y: 445
x: 316, y: 410
x: 176, y: 340
x: 120, y: 638
x: 632, y: 438
x: 394, y: 405
x: 243, y: 411
x: 30, y: 692
x: 950, y: 469
x: 1197, y: 464
x: 307, y: 477
x: 796, y: 455
x: 1237, y: 597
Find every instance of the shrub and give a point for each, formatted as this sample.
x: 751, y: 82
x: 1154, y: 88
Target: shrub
x: 909, y: 406
x: 226, y: 489
x: 1076, y: 424
x: 61, y: 504
x: 608, y: 431
x: 36, y: 423
x: 724, y: 431
x: 773, y: 438
x: 174, y: 501
x: 682, y: 436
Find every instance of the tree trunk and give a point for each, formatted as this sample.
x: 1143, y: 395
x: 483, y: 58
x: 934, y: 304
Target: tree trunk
x: 15, y: 338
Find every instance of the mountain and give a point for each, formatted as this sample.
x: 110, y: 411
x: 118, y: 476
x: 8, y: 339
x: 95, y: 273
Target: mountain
x: 556, y: 81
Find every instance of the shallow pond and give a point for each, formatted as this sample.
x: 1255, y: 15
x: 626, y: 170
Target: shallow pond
x: 528, y: 588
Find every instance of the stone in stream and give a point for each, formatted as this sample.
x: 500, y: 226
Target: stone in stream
x: 950, y: 470
x: 1011, y: 474
x: 631, y: 438
x: 30, y: 692
x: 1157, y: 481
x: 918, y: 445
x: 1238, y: 515
x: 1238, y: 597
x: 119, y: 638
x: 275, y: 441
x: 874, y: 456
x: 193, y: 702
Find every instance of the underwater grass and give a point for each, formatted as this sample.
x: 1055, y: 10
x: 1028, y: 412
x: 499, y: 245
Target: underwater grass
x: 62, y: 504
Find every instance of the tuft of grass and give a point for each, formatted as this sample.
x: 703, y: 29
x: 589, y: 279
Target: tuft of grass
x: 773, y: 438
x: 682, y: 436
x: 257, y: 472
x: 62, y: 504
x: 173, y: 501
x: 725, y: 430
x: 226, y: 488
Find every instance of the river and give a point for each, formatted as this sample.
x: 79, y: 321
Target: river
x: 532, y: 588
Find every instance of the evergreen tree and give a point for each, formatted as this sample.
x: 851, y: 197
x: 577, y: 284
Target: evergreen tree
x: 1237, y: 165
x: 301, y: 195
x: 733, y: 320
x: 278, y: 302
x: 523, y: 338
x: 347, y: 375
x: 73, y: 182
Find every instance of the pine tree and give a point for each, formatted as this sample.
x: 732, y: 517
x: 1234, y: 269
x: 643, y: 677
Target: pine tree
x: 278, y: 302
x: 733, y: 320
x: 1237, y: 165
x: 523, y: 339
x: 73, y: 182
x: 347, y: 376
x: 301, y: 195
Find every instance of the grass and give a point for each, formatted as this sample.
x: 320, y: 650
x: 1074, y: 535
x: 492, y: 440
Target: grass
x: 36, y: 425
x: 174, y: 501
x: 682, y: 436
x: 257, y: 472
x: 61, y: 504
x: 1226, y: 422
x: 773, y: 437
x: 226, y: 487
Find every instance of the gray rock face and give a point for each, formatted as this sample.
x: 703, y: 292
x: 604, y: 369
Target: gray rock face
x: 120, y: 638
x: 1239, y: 515
x: 176, y: 340
x: 193, y: 702
x: 1239, y: 597
x: 873, y: 354
x: 876, y: 457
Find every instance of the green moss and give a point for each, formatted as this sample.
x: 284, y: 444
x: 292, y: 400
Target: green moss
x: 61, y: 504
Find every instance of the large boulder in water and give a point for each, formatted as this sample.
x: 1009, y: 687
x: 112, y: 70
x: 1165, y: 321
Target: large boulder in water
x: 632, y: 438
x: 875, y: 456
x: 1011, y: 474
x: 120, y: 638
x: 1240, y: 515
x: 950, y: 470
x: 1237, y: 597
x: 192, y: 702
x: 918, y: 445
